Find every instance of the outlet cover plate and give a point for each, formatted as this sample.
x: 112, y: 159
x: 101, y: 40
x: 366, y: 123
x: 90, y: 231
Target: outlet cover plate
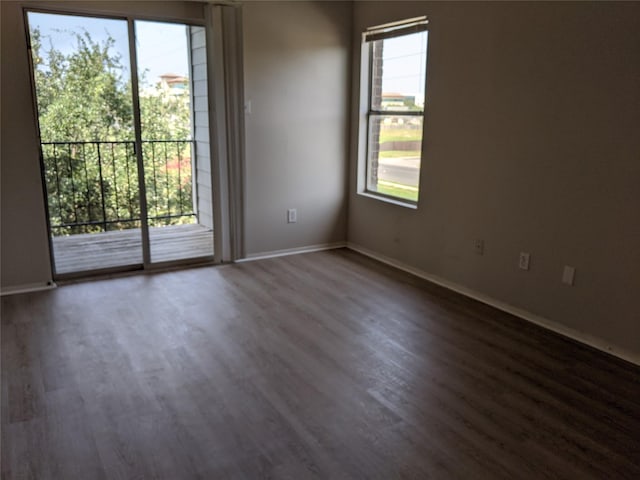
x: 478, y: 246
x: 568, y: 274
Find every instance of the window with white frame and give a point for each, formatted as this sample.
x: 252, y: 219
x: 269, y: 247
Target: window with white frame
x: 393, y: 88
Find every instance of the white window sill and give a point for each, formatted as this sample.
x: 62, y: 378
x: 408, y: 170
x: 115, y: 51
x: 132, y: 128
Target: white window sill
x: 386, y: 199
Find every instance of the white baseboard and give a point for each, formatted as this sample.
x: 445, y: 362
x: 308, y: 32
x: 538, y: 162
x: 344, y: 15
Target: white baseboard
x: 556, y: 327
x: 31, y: 287
x: 291, y: 251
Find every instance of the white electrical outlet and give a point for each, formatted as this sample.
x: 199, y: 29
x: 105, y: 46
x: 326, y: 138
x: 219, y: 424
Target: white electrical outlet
x: 523, y: 261
x: 292, y: 215
x: 478, y: 246
x: 568, y: 274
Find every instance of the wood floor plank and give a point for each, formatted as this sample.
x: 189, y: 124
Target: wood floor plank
x: 321, y: 365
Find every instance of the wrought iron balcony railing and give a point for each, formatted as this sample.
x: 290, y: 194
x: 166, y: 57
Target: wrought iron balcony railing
x: 93, y: 186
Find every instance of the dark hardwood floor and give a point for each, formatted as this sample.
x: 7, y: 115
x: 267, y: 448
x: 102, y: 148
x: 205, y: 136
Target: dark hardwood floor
x: 322, y: 365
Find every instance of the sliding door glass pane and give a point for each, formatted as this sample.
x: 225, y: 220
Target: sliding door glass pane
x: 166, y: 57
x: 85, y: 115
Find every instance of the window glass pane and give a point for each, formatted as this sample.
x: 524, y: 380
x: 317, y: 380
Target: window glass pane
x: 394, y: 152
x: 398, y: 73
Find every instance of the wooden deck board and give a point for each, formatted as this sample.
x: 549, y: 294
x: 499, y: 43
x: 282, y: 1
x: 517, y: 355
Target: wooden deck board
x: 93, y: 251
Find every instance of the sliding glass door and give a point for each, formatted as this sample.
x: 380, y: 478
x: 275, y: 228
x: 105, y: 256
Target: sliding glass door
x: 116, y: 125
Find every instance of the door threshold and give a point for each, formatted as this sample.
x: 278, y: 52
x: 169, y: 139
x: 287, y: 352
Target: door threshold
x: 131, y: 270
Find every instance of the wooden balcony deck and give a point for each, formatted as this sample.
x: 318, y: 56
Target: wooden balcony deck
x: 94, y: 251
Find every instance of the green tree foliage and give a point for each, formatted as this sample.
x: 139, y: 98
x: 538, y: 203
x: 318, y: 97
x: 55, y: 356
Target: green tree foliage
x: 164, y: 114
x: 83, y: 97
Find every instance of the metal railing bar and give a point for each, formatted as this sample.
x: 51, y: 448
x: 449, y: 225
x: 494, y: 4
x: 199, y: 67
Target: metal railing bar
x: 86, y: 177
x: 172, y: 216
x: 104, y: 211
x: 166, y: 179
x: 126, y: 163
x: 115, y: 181
x: 124, y: 220
x: 73, y: 185
x: 58, y: 195
x: 179, y: 178
x: 87, y: 142
x: 155, y: 183
x: 94, y: 223
x: 167, y: 141
x: 95, y: 142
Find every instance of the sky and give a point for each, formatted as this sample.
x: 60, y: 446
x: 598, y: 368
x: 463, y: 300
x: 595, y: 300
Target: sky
x: 404, y: 68
x: 161, y: 47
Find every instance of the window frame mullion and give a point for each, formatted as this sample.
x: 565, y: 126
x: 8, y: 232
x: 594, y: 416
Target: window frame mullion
x: 396, y: 113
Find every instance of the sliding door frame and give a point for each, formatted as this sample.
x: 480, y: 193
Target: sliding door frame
x: 137, y: 127
x: 220, y: 226
x: 226, y: 119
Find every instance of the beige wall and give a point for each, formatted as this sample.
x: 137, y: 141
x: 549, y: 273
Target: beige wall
x: 297, y: 70
x: 532, y: 144
x: 24, y: 250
